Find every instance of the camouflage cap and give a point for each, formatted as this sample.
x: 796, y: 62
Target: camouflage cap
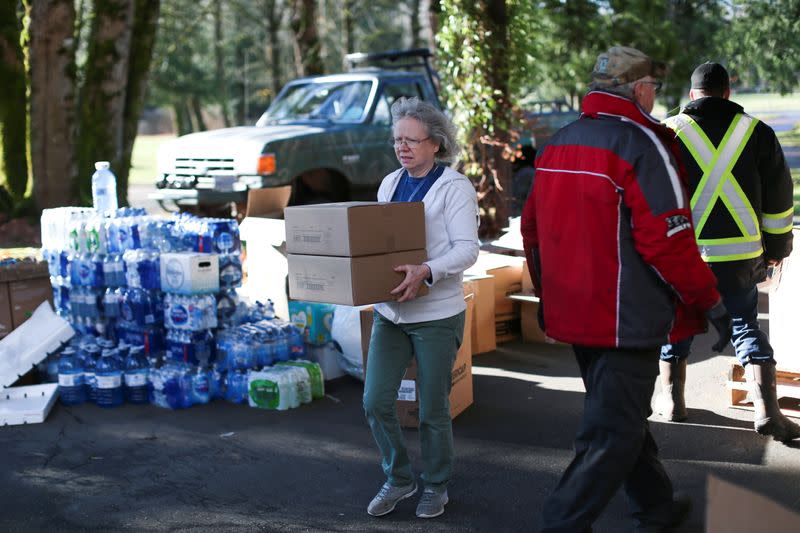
x: 621, y: 65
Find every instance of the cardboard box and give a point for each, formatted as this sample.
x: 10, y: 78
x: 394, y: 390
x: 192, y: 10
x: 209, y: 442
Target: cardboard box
x: 26, y: 296
x: 733, y: 509
x: 6, y: 323
x: 352, y: 229
x: 349, y: 280
x: 527, y: 284
x: 314, y: 319
x: 189, y: 273
x: 482, y: 334
x: 507, y: 271
x: 529, y: 321
x: 507, y: 327
x: 461, y: 393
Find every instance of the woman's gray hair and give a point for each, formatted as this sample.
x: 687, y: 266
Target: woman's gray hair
x: 440, y: 128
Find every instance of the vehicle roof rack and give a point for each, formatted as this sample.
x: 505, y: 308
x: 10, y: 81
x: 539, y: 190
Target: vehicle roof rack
x: 395, y: 60
x: 391, y: 59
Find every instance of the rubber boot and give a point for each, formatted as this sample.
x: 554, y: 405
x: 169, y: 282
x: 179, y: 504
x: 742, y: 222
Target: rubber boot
x: 670, y: 403
x: 768, y: 419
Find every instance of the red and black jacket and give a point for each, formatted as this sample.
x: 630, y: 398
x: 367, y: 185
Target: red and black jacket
x: 607, y: 229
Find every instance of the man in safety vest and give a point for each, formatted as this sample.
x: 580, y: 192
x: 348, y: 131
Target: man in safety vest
x: 742, y: 210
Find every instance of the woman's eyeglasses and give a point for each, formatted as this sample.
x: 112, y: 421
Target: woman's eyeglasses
x: 397, y: 142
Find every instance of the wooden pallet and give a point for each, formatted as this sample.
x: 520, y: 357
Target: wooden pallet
x: 788, y: 386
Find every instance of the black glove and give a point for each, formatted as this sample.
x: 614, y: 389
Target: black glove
x: 722, y: 322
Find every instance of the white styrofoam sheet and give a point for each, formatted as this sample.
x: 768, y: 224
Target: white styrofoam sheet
x: 31, y: 342
x: 27, y: 405
x: 784, y: 335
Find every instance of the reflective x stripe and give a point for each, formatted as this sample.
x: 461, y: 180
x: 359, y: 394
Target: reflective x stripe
x: 717, y: 182
x: 777, y: 223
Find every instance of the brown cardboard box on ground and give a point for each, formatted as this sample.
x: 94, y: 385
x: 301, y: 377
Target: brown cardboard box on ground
x: 527, y: 284
x: 351, y: 229
x: 529, y: 322
x: 6, y: 324
x: 733, y: 509
x: 483, y: 326
x: 507, y: 327
x: 349, y: 280
x: 507, y: 271
x: 461, y: 393
x: 26, y: 296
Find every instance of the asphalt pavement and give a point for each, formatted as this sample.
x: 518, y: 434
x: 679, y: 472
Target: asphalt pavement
x: 225, y: 467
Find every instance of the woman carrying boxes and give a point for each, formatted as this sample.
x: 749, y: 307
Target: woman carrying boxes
x: 428, y: 328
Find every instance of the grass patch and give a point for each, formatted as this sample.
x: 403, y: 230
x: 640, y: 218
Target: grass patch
x: 144, y: 163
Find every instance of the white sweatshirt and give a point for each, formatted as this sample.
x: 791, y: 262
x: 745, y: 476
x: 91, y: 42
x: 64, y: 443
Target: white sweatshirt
x: 451, y: 232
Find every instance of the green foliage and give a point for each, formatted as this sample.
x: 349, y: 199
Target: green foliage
x: 763, y: 42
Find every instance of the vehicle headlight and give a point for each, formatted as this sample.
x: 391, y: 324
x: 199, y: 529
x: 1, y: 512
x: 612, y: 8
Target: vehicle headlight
x: 266, y: 164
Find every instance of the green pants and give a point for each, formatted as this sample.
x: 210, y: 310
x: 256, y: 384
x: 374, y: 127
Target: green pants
x: 434, y: 345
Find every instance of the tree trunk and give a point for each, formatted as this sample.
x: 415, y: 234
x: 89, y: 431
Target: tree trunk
x: 434, y: 12
x: 182, y: 119
x: 143, y: 41
x: 197, y: 112
x: 104, y: 92
x: 416, y: 28
x: 304, y: 25
x: 51, y: 58
x: 221, y: 81
x: 13, y: 116
x: 348, y: 27
x: 273, y: 27
x: 498, y: 78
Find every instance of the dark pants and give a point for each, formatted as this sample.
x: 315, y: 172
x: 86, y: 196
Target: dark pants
x: 751, y: 344
x: 614, y: 447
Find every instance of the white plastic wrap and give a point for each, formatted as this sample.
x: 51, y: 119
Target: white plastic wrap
x: 346, y: 332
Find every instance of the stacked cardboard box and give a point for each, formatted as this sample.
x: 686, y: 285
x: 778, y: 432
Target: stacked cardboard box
x: 23, y: 286
x: 345, y: 253
x: 495, y: 277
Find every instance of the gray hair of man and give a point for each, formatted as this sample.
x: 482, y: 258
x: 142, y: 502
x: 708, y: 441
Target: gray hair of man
x: 625, y: 90
x: 440, y: 128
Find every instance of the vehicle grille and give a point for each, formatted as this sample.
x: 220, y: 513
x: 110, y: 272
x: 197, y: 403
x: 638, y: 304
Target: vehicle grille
x: 199, y: 166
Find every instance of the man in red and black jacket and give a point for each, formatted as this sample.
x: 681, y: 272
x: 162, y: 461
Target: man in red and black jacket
x: 608, y: 233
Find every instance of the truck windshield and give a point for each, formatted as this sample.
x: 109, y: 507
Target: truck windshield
x: 331, y: 101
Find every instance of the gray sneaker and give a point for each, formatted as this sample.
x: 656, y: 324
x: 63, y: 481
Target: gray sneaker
x: 386, y: 499
x: 432, y: 503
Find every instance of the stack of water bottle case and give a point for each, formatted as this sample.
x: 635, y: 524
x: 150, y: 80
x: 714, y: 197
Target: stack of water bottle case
x: 158, y: 318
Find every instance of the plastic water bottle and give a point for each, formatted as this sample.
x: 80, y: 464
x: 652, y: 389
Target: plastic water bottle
x: 109, y: 380
x: 136, y: 376
x: 91, y: 354
x: 104, y: 187
x: 201, y: 387
x: 216, y: 383
x: 70, y: 378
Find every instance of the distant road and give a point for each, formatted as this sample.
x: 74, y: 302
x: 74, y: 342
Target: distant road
x: 137, y: 197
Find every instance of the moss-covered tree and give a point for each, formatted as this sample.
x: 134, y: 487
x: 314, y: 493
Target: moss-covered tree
x: 51, y: 61
x: 102, y: 97
x: 13, y: 119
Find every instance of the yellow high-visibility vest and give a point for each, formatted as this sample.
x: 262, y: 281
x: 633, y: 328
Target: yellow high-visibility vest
x: 718, y: 184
